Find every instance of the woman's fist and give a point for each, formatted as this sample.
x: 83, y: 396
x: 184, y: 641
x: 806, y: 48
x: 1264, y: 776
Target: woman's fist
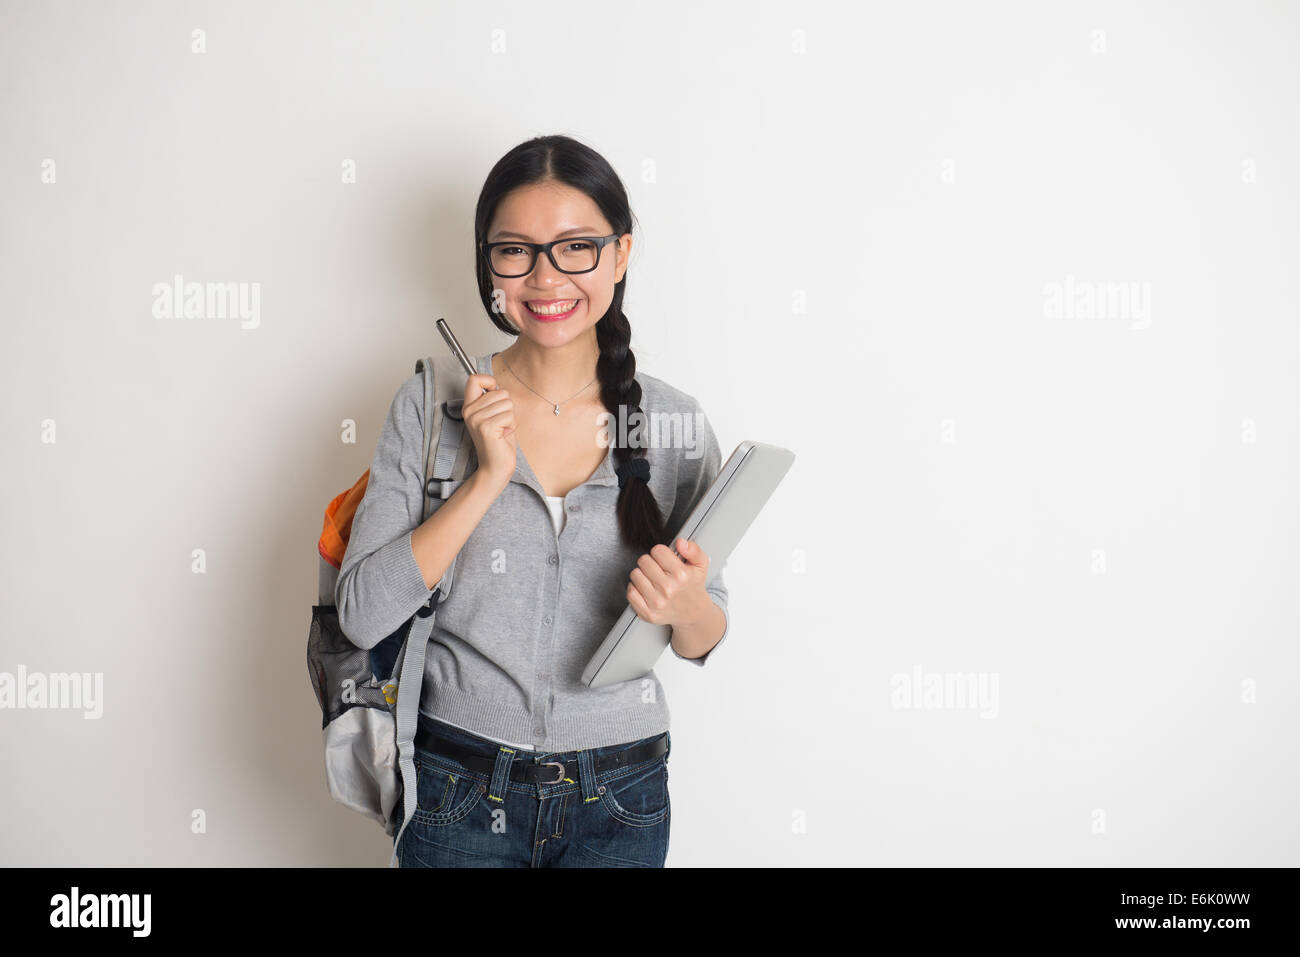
x: 490, y: 419
x: 666, y: 590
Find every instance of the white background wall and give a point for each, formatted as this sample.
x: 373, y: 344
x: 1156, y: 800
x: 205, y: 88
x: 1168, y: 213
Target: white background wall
x: 853, y: 217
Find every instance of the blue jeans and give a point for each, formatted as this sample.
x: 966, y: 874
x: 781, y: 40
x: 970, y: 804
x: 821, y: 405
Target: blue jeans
x: 614, y: 818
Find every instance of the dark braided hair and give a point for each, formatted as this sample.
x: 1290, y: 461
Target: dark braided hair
x: 563, y: 159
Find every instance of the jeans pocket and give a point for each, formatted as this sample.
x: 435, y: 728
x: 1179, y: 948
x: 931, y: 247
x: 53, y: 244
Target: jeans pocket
x: 638, y: 797
x: 443, y: 796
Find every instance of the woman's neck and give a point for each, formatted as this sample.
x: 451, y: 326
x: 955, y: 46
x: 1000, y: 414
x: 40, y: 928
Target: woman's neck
x: 557, y: 373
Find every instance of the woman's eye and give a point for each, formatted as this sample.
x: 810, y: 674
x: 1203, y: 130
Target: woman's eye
x: 579, y: 246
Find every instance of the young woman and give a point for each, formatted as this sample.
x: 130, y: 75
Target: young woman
x: 583, y: 467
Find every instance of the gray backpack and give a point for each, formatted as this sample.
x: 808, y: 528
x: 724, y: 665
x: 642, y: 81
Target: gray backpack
x: 370, y: 699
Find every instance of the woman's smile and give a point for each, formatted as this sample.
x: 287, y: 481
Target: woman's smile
x: 551, y: 310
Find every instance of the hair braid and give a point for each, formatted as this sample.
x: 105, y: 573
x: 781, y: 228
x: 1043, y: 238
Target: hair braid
x: 640, y: 519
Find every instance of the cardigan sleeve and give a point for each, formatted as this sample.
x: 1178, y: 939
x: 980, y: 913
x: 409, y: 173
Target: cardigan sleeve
x: 694, y: 476
x: 380, y: 585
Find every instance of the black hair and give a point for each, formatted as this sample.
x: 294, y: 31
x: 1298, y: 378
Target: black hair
x: 558, y: 158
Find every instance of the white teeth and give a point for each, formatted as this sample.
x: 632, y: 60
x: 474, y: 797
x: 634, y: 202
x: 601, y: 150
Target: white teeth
x: 554, y: 309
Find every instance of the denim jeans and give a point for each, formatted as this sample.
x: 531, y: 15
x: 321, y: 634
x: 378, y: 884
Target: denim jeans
x: 470, y: 818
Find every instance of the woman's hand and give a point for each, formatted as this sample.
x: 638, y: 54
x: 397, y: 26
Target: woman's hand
x: 490, y: 420
x: 667, y: 590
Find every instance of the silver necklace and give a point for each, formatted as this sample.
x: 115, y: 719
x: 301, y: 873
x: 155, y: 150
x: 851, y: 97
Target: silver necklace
x: 539, y: 395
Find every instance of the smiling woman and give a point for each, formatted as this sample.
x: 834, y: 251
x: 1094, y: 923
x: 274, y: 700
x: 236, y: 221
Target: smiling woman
x: 554, y: 532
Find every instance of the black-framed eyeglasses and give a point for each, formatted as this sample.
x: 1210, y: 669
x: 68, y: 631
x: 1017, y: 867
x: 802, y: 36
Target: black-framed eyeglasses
x: 513, y: 259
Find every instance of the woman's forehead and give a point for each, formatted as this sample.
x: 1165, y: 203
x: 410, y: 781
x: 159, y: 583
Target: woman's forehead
x: 547, y: 211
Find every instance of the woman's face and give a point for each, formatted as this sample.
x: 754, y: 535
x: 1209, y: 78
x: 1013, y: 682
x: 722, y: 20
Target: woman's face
x: 540, y: 213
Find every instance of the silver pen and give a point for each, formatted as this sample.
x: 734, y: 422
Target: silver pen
x: 455, y: 346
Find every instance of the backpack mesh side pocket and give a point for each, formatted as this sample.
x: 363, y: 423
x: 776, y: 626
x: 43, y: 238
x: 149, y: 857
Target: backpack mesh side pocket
x: 356, y: 715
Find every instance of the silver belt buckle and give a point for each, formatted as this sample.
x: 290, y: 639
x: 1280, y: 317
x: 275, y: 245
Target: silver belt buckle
x: 560, y: 766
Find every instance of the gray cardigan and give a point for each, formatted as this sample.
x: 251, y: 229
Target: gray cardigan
x: 527, y: 607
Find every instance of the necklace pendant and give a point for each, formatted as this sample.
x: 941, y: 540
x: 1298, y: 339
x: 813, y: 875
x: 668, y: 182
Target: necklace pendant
x: 557, y: 410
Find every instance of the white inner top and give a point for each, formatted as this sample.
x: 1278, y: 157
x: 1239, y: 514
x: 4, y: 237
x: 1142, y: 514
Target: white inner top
x: 556, y: 503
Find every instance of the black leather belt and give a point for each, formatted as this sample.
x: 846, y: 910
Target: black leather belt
x: 531, y: 772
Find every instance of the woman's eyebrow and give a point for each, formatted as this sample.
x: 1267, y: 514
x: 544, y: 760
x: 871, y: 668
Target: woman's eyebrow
x: 583, y: 230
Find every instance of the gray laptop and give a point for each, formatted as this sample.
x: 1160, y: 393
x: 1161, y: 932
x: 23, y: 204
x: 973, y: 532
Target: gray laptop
x: 718, y: 522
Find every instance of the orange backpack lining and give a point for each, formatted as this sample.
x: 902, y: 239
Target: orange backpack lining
x: 338, y: 522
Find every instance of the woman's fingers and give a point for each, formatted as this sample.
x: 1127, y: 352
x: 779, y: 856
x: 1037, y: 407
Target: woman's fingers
x: 692, y: 554
x: 489, y: 416
x: 484, y: 401
x: 638, y: 604
x: 490, y: 422
x: 476, y: 385
x: 654, y: 588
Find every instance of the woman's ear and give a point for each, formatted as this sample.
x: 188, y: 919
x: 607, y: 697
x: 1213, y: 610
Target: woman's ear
x: 624, y: 246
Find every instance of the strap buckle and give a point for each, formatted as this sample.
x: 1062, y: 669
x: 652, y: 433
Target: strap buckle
x: 430, y: 605
x: 440, y: 488
x: 558, y: 764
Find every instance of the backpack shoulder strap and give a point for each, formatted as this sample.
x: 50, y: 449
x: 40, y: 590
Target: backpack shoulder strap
x: 432, y: 416
x: 443, y: 395
x: 450, y: 462
x: 443, y: 471
x: 447, y: 455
